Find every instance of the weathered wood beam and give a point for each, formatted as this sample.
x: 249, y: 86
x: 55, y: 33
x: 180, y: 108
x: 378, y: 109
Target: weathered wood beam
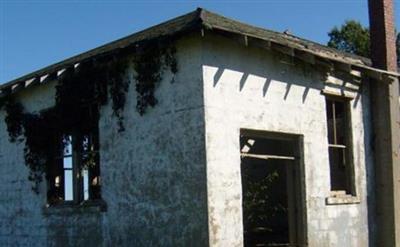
x: 246, y: 41
x: 356, y: 73
x: 32, y: 82
x: 343, y: 86
x: 388, y: 78
x: 282, y: 49
x: 338, y: 92
x: 267, y: 156
x: 352, y: 77
x: 240, y: 38
x: 305, y: 56
x: 48, y: 77
x: 17, y: 87
x: 378, y: 75
x: 43, y: 77
x: 324, y: 63
x: 65, y: 72
x: 373, y: 74
x: 342, y: 82
x: 343, y: 66
x: 61, y: 72
x: 259, y: 43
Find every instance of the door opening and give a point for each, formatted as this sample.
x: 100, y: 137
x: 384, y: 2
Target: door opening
x: 270, y: 189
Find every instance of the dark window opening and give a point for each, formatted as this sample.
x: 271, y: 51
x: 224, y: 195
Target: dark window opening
x: 271, y: 197
x: 74, y: 175
x: 339, y: 138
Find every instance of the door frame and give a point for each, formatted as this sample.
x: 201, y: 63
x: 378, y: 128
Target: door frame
x: 299, y: 181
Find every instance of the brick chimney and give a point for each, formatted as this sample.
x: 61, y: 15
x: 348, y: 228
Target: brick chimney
x: 384, y: 227
x: 383, y: 37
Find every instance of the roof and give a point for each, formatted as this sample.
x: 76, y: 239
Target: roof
x: 206, y: 20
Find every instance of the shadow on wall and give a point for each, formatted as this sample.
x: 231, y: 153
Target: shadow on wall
x: 267, y: 83
x: 243, y: 79
x: 369, y: 165
x: 273, y: 70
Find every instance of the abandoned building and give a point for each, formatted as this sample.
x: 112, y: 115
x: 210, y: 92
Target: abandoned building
x: 203, y: 131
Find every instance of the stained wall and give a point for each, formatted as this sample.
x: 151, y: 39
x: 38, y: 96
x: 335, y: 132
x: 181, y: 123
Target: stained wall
x: 250, y: 88
x: 153, y: 174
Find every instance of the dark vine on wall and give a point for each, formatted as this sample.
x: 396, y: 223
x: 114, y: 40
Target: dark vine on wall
x: 80, y: 93
x: 151, y: 60
x: 119, y: 86
x: 14, y: 120
x: 36, y: 129
x: 39, y: 146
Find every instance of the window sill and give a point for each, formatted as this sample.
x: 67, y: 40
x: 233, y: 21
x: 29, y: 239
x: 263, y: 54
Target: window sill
x: 342, y: 199
x: 96, y: 206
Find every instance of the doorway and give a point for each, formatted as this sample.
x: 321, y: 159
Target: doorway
x: 271, y: 189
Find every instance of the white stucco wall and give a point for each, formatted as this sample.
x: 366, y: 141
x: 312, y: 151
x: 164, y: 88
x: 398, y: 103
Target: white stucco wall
x: 248, y: 88
x: 173, y: 177
x: 153, y: 174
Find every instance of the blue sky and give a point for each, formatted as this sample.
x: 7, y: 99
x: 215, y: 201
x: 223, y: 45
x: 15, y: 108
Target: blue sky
x: 34, y: 34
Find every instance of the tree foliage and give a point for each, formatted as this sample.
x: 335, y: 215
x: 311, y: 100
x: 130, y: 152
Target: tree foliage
x: 352, y: 37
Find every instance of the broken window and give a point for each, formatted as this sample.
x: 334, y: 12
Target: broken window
x: 339, y: 138
x: 74, y: 173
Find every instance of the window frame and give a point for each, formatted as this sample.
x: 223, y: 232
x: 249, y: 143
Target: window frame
x: 350, y: 183
x: 77, y: 155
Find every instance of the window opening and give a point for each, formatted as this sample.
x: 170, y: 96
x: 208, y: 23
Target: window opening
x: 68, y: 169
x: 75, y: 175
x: 339, y: 136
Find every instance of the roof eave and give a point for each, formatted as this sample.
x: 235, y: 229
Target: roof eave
x: 202, y: 19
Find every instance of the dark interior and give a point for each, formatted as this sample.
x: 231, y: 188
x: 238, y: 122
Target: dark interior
x: 265, y: 191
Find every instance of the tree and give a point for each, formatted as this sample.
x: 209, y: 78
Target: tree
x: 352, y: 37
